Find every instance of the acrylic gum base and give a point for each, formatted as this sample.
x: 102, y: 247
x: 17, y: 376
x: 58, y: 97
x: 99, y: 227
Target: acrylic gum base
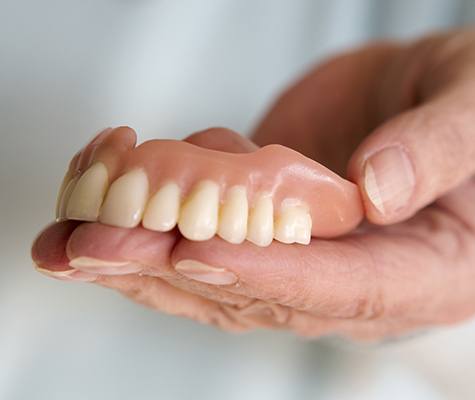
x: 271, y: 193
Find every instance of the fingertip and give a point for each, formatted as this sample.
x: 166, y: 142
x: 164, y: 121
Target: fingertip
x: 48, y: 248
x: 113, y: 250
x: 385, y: 174
x: 222, y: 139
x: 122, y: 134
x: 49, y: 253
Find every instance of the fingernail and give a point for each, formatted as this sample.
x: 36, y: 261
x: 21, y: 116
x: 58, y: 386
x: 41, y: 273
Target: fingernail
x: 389, y: 180
x: 67, y: 275
x: 104, y: 267
x: 201, y: 272
x: 90, y: 262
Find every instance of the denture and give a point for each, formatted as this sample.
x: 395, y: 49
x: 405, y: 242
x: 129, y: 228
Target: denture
x: 272, y: 193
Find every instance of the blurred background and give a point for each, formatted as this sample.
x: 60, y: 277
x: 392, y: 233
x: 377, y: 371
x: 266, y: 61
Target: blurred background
x: 168, y: 68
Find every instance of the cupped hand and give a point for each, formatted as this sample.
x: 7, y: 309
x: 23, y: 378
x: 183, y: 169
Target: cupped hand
x: 398, y: 119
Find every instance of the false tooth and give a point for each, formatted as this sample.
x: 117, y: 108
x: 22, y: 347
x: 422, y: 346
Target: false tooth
x: 86, y: 198
x: 232, y: 225
x: 294, y: 225
x: 64, y: 198
x: 199, y: 214
x: 260, y: 230
x: 67, y: 178
x: 161, y: 213
x: 125, y: 200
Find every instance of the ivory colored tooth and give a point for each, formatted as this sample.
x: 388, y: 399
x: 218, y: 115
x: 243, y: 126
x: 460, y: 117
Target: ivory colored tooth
x: 294, y: 225
x: 232, y: 225
x: 199, y: 214
x: 86, y: 198
x: 63, y: 201
x: 260, y: 230
x: 64, y: 183
x: 161, y: 213
x: 125, y: 200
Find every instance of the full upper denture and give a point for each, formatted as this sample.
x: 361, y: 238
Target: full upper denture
x: 271, y: 193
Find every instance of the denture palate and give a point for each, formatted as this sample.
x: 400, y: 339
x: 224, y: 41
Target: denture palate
x: 273, y: 193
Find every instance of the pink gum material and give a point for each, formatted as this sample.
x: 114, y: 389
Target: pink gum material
x: 334, y: 203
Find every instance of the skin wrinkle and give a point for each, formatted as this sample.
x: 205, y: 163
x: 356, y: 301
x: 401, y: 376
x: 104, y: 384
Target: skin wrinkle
x: 208, y: 291
x: 264, y: 313
x: 403, y: 309
x: 368, y: 306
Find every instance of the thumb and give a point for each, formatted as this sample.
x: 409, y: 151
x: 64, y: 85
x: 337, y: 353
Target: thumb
x: 416, y: 157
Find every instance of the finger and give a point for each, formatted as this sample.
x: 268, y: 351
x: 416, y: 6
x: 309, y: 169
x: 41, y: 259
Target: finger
x: 222, y: 139
x: 84, y: 252
x: 422, y: 154
x: 376, y: 274
x: 49, y: 253
x: 325, y: 114
x: 109, y: 250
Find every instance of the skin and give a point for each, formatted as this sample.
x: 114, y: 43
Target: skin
x: 406, y: 269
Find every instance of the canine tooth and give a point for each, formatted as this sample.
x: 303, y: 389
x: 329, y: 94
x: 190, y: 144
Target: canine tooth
x: 125, y: 200
x: 199, y: 214
x: 260, y: 230
x: 64, y: 199
x: 161, y: 213
x: 86, y: 198
x: 232, y: 225
x: 294, y: 225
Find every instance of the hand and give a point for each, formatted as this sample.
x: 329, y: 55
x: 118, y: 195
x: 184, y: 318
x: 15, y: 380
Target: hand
x: 399, y: 119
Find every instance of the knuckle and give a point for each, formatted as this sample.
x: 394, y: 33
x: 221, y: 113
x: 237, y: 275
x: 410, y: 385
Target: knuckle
x: 209, y: 133
x: 265, y: 314
x: 369, y: 308
x: 223, y: 317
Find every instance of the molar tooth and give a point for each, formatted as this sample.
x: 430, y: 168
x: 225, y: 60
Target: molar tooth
x: 199, y: 214
x: 125, y: 200
x: 161, y: 213
x: 260, y: 230
x: 86, y: 198
x: 233, y: 215
x: 64, y: 198
x: 294, y: 225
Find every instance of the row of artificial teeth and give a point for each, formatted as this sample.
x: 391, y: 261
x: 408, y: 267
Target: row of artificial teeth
x: 200, y: 216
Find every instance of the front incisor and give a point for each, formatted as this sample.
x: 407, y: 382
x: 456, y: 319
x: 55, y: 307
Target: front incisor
x: 233, y: 215
x: 86, y: 198
x: 294, y: 225
x: 199, y: 214
x: 161, y: 213
x: 125, y: 200
x: 260, y: 230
